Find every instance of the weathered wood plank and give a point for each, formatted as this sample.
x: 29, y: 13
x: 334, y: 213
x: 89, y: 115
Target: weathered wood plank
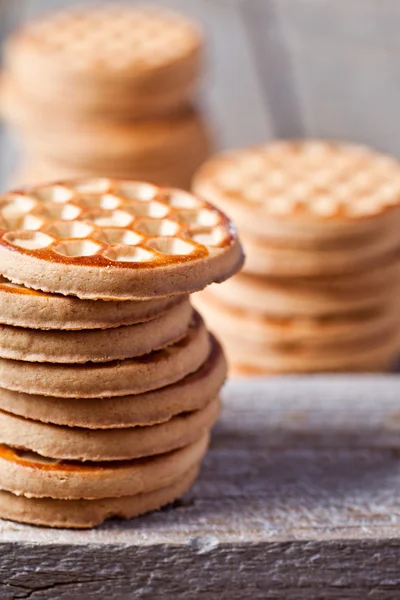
x: 299, y: 498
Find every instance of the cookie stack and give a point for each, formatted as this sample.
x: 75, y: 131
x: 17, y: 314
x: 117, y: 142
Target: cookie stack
x: 106, y: 90
x: 319, y: 223
x: 109, y: 380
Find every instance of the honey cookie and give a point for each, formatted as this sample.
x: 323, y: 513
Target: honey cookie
x: 33, y: 309
x: 300, y: 298
x: 72, y: 443
x: 191, y: 393
x: 137, y: 61
x: 35, y: 345
x: 114, y: 240
x: 28, y: 474
x: 118, y: 378
x: 379, y: 353
x: 310, y: 194
x: 82, y: 514
x: 316, y: 332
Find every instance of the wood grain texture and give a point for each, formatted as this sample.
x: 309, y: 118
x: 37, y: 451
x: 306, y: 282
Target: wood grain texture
x: 298, y: 498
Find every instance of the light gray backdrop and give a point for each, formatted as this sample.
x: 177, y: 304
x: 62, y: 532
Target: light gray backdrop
x: 285, y: 67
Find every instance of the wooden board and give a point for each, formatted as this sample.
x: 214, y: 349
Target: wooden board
x: 299, y: 498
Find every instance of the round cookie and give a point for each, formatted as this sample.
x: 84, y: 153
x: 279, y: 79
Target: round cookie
x: 71, y: 443
x: 118, y: 378
x: 138, y: 147
x: 138, y: 61
x: 89, y: 513
x: 380, y: 353
x: 315, y: 332
x: 114, y: 240
x: 300, y: 298
x: 35, y: 345
x: 33, y: 309
x: 267, y: 260
x: 191, y: 393
x: 240, y: 371
x: 309, y: 194
x: 172, y: 171
x: 28, y: 474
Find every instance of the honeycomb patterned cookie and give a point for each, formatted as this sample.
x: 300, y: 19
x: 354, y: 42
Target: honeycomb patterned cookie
x: 116, y: 37
x: 114, y: 239
x: 139, y: 61
x: 303, y: 183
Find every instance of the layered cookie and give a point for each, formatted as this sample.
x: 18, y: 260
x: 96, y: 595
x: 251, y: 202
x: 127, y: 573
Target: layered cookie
x: 319, y: 224
x: 116, y: 93
x: 109, y: 380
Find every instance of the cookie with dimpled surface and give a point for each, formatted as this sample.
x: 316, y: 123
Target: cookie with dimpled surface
x: 136, y: 60
x: 114, y: 240
x: 308, y: 195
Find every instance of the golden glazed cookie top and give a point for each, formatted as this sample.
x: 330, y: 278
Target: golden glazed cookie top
x: 152, y: 241
x: 113, y: 38
x: 317, y: 180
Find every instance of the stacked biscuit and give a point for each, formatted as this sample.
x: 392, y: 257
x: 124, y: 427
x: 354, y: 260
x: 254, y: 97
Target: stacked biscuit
x: 106, y: 90
x: 109, y: 380
x: 319, y: 223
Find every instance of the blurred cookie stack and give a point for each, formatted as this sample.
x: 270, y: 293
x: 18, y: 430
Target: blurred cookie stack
x: 106, y: 90
x: 109, y: 380
x: 319, y: 223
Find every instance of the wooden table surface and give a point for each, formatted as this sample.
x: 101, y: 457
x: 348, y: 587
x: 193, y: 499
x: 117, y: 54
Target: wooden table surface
x: 299, y: 497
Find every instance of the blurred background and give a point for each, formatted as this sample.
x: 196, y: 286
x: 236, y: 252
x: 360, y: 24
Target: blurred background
x: 286, y: 68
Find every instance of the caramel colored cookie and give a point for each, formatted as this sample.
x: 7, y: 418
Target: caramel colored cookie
x: 28, y: 474
x: 82, y: 514
x: 191, y: 393
x: 33, y: 309
x: 266, y: 259
x: 379, y: 353
x: 301, y: 297
x: 171, y: 171
x: 118, y: 378
x: 114, y: 240
x: 314, y: 332
x: 139, y: 145
x: 306, y: 194
x: 131, y: 60
x: 97, y: 345
x: 71, y: 443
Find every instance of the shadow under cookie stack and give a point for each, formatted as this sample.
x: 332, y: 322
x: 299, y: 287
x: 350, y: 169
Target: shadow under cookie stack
x: 109, y: 380
x: 106, y: 91
x: 319, y: 223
